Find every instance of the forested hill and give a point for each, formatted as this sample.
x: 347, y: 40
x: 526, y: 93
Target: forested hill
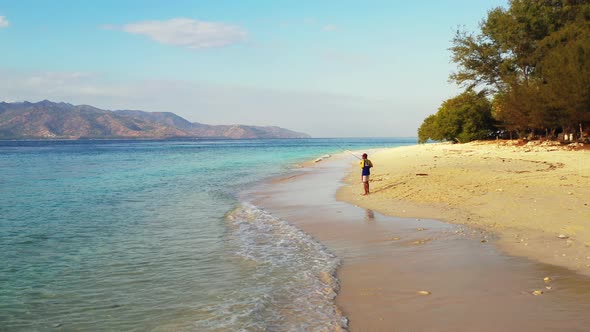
x: 526, y: 73
x: 47, y: 120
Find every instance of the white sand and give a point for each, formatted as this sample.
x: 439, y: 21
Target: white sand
x: 530, y: 195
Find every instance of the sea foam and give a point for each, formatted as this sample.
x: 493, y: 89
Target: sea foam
x: 293, y: 276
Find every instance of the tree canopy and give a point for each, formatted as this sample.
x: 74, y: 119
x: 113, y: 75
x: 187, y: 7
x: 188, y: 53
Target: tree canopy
x: 532, y: 60
x: 463, y: 118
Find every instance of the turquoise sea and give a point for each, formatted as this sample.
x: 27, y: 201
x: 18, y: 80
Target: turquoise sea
x: 151, y: 236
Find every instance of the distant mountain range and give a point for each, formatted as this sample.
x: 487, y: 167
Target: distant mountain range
x: 47, y: 120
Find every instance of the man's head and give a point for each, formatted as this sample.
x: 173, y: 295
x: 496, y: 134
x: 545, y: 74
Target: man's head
x: 364, y: 156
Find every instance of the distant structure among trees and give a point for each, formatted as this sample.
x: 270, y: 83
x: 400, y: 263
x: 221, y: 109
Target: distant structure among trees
x: 526, y: 74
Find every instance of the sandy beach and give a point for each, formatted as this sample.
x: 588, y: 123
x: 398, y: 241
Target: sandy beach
x: 535, y: 197
x: 402, y: 269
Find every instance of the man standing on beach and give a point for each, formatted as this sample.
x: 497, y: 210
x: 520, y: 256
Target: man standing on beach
x: 366, y: 165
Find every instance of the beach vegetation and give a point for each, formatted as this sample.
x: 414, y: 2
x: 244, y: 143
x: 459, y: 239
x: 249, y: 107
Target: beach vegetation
x: 429, y: 130
x: 532, y: 61
x: 464, y: 118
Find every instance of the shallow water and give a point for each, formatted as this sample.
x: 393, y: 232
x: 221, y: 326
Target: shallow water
x: 150, y: 235
x: 386, y: 261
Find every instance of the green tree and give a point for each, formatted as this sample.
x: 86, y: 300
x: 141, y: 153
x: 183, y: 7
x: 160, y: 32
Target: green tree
x: 520, y: 109
x: 480, y: 62
x: 429, y: 130
x: 533, y: 57
x: 504, y: 52
x: 464, y: 118
x: 565, y: 70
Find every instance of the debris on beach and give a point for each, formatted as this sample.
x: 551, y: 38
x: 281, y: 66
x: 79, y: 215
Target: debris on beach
x: 420, y: 229
x: 421, y: 241
x: 563, y: 236
x: 547, y: 279
x: 537, y: 292
x: 424, y: 292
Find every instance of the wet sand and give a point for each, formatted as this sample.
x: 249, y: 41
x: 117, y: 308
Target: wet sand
x: 536, y: 196
x: 388, y: 261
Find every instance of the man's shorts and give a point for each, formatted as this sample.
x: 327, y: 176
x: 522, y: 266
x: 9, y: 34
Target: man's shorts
x: 365, y: 178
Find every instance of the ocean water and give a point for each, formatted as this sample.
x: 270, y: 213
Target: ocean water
x: 151, y: 235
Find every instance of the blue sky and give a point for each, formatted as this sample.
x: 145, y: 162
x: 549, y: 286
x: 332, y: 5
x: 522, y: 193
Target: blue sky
x: 327, y: 68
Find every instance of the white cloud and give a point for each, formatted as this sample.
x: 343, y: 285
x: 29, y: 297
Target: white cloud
x: 189, y: 33
x: 4, y: 22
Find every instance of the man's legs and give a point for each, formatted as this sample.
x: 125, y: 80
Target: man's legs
x: 366, y: 184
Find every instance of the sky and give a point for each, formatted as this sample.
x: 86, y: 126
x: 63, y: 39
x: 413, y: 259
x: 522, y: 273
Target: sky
x: 328, y: 68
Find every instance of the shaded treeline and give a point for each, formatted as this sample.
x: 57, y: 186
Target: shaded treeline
x: 526, y: 73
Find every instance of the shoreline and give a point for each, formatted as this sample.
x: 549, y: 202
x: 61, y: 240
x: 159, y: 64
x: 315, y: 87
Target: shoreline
x: 535, y: 197
x: 425, y: 274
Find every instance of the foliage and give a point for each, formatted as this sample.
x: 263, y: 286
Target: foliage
x: 533, y: 58
x: 566, y: 73
x: 429, y: 130
x: 464, y: 118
